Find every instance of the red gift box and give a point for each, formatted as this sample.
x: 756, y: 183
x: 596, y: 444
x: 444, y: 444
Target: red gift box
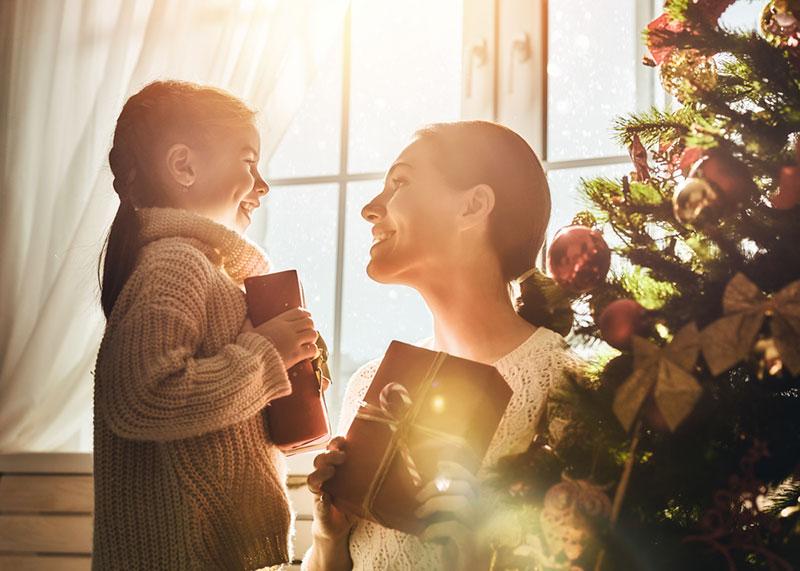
x: 297, y: 422
x: 421, y: 408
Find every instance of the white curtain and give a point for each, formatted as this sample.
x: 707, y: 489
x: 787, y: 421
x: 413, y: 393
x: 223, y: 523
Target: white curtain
x: 66, y: 68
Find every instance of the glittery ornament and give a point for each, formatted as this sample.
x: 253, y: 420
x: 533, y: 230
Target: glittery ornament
x: 578, y: 259
x: 684, y: 73
x: 695, y: 202
x: 779, y: 24
x: 571, y: 511
x: 620, y: 320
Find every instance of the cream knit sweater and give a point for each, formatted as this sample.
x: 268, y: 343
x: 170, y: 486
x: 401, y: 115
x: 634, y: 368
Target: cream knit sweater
x: 185, y: 474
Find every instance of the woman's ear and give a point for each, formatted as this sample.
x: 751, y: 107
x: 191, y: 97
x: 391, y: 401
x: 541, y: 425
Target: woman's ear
x: 180, y: 165
x: 477, y: 205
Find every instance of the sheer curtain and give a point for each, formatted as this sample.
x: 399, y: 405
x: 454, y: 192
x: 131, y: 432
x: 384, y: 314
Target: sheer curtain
x: 67, y: 67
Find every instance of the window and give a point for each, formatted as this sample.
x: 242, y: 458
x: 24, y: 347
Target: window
x: 390, y: 72
x: 558, y: 72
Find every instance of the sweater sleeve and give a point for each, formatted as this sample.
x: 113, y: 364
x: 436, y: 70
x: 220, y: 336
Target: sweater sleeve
x: 155, y: 385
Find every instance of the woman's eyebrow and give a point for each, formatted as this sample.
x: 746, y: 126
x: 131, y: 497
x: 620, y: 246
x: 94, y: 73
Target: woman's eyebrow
x: 394, y: 166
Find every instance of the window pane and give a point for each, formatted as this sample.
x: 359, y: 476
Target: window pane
x: 742, y: 16
x: 373, y: 314
x: 298, y: 229
x: 564, y: 185
x: 406, y: 71
x: 310, y: 146
x: 591, y: 73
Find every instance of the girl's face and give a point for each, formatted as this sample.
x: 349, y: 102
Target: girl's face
x: 414, y: 220
x: 228, y: 187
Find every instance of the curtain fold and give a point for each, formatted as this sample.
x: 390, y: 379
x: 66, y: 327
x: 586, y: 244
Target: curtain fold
x: 68, y: 66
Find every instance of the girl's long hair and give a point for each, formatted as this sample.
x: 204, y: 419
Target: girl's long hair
x: 161, y: 114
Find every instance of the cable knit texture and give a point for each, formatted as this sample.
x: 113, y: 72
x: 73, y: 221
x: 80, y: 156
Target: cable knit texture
x: 186, y: 476
x: 531, y: 370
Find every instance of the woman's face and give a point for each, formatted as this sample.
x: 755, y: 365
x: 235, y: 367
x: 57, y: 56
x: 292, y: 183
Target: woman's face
x: 414, y: 220
x: 228, y: 186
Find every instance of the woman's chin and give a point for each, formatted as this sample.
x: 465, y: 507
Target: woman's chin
x: 378, y: 271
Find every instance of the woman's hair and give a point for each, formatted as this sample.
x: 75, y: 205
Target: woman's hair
x: 468, y: 153
x: 161, y: 114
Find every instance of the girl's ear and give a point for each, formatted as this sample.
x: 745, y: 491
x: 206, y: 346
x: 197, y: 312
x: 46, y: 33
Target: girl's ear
x: 180, y: 165
x: 477, y: 205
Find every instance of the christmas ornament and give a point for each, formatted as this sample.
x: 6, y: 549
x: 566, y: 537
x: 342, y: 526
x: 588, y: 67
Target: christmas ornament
x: 745, y: 307
x: 707, y: 11
x: 769, y: 358
x: 579, y: 258
x: 788, y: 194
x: 779, y: 23
x: 695, y: 202
x: 620, y: 320
x: 664, y: 373
x: 684, y: 73
x: 716, y: 185
x: 739, y: 521
x: 639, y: 157
x: 572, y: 509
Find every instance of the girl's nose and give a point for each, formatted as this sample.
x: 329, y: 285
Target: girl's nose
x: 261, y: 186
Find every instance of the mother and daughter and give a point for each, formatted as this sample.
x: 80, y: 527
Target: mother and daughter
x: 186, y: 476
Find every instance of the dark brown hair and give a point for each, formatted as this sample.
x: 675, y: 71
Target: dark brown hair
x: 161, y: 114
x: 469, y: 153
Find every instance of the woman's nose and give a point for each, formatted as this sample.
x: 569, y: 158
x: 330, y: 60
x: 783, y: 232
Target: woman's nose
x: 373, y: 211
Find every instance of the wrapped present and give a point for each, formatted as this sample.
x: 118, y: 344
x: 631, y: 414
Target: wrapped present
x: 421, y: 408
x: 297, y: 422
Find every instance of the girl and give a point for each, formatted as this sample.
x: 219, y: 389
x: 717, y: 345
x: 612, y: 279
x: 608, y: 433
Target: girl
x: 185, y: 474
x: 462, y: 215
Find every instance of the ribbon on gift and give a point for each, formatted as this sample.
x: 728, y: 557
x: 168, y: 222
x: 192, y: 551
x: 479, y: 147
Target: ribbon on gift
x: 402, y: 420
x: 730, y: 339
x: 664, y: 371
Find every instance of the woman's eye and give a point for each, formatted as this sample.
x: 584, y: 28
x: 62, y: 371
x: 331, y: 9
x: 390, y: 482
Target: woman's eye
x: 398, y: 182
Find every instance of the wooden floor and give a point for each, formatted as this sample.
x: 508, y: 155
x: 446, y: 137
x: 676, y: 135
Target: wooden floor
x: 46, y: 506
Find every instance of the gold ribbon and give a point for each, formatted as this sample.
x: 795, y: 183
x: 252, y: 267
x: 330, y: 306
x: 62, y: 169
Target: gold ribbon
x: 665, y: 372
x: 731, y: 338
x: 401, y: 422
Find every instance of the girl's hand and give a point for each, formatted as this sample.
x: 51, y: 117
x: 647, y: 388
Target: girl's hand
x: 292, y: 333
x: 450, y: 501
x: 330, y: 523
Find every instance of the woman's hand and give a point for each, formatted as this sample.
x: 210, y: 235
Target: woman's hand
x: 292, y: 333
x: 330, y: 523
x: 450, y: 502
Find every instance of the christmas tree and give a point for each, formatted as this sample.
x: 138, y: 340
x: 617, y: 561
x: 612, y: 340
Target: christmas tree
x: 683, y: 448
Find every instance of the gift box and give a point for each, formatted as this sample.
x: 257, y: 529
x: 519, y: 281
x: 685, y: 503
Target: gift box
x: 422, y: 407
x: 297, y: 422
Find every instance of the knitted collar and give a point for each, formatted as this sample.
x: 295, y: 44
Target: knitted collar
x: 235, y: 254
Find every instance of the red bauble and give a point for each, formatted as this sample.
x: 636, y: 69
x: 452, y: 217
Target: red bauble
x: 578, y: 259
x: 788, y: 194
x: 620, y: 320
x: 729, y: 176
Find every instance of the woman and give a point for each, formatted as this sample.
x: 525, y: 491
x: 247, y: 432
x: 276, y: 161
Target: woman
x: 461, y: 217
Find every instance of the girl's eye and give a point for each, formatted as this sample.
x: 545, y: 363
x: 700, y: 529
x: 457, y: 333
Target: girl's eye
x: 398, y: 182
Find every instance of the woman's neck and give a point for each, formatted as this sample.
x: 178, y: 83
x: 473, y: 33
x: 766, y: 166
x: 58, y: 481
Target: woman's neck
x: 474, y: 318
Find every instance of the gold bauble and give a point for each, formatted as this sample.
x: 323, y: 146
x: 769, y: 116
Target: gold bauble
x: 684, y: 73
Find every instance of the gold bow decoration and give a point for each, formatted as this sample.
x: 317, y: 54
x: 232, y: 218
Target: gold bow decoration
x: 730, y: 339
x: 400, y: 416
x: 664, y: 371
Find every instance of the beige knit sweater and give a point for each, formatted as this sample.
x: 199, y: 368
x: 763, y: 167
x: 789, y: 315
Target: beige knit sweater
x: 185, y: 474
